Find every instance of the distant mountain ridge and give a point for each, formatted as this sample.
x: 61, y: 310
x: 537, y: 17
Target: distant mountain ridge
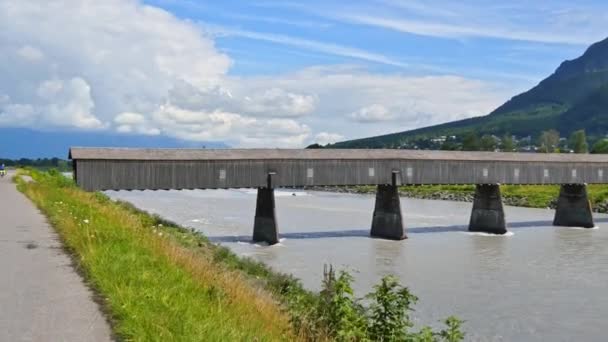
x: 18, y: 143
x: 574, y: 97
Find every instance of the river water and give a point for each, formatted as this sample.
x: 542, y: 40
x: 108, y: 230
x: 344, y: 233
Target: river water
x: 539, y: 283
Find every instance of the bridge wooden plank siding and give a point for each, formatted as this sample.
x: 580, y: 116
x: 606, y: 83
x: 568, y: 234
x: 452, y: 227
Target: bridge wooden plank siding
x: 156, y: 169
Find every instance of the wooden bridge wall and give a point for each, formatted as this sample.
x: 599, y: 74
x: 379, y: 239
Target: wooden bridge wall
x: 92, y: 174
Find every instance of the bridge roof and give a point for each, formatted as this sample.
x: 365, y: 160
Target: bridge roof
x: 80, y: 153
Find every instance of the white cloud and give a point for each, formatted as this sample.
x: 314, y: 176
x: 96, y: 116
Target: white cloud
x: 373, y: 113
x: 542, y: 21
x: 58, y: 103
x: 70, y: 105
x: 277, y: 133
x: 264, y: 101
x: 325, y: 138
x: 30, y: 53
x: 123, y: 66
x: 129, y: 122
x: 279, y: 21
x: 217, y: 125
x: 438, y: 29
x: 313, y: 45
x: 278, y: 102
x: 346, y: 97
x: 128, y: 118
x: 127, y: 55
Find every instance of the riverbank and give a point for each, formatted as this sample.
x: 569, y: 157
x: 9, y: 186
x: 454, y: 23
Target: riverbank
x: 151, y: 286
x: 529, y: 196
x: 157, y: 281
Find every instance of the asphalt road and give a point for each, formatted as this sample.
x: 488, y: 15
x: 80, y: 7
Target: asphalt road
x: 42, y: 298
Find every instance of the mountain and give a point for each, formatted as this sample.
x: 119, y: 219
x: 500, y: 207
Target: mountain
x: 18, y: 143
x: 574, y: 97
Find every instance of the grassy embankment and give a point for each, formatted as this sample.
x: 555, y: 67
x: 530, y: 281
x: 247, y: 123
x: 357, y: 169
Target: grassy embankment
x: 532, y: 196
x: 161, y: 283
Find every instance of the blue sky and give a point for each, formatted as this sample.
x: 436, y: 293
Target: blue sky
x: 522, y: 40
x: 277, y: 73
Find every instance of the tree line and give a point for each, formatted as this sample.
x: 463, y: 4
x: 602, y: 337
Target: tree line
x: 548, y: 142
x: 576, y: 143
x: 40, y: 163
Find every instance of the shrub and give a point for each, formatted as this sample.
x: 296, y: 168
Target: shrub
x: 389, y: 319
x: 386, y: 318
x: 340, y: 311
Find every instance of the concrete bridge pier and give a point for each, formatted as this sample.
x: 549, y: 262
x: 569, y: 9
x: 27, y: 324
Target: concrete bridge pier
x: 387, y: 222
x: 265, y: 227
x: 488, y: 214
x: 573, y: 207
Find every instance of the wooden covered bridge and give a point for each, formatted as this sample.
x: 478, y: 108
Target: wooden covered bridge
x: 266, y: 169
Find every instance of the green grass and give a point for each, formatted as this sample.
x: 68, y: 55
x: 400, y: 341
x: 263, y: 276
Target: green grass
x: 157, y: 283
x: 429, y: 189
x: 532, y: 196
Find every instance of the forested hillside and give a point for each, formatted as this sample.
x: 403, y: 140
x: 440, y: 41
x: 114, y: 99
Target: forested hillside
x: 575, y: 97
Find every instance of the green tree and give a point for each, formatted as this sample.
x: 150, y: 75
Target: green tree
x: 470, y: 142
x: 578, y: 142
x: 487, y: 143
x: 507, y: 143
x: 313, y: 146
x: 549, y: 141
x: 601, y: 146
x: 449, y: 145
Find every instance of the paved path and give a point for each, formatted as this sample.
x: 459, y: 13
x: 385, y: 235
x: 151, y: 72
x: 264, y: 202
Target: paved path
x: 42, y: 298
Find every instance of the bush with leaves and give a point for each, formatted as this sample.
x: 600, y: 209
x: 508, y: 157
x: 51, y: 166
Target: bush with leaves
x: 389, y: 319
x: 386, y: 318
x: 338, y: 308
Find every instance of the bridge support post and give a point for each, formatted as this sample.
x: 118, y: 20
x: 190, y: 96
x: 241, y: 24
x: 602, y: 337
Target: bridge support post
x: 573, y: 207
x: 387, y: 222
x: 488, y: 214
x: 265, y: 225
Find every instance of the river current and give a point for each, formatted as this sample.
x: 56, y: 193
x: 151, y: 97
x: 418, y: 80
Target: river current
x: 538, y: 283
